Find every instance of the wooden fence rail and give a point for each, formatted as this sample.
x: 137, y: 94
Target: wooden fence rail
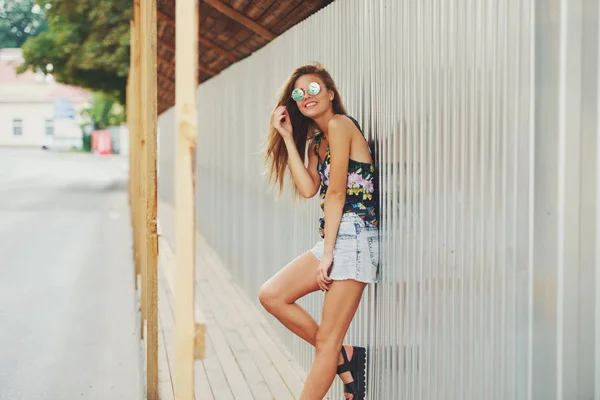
x: 142, y: 123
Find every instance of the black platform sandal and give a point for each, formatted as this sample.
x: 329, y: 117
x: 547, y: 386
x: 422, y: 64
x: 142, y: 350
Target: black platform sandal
x: 357, y: 367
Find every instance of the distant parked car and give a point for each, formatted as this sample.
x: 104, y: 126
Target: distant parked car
x: 58, y: 143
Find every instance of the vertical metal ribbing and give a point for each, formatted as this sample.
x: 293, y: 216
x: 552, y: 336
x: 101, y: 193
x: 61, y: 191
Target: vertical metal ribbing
x: 423, y: 67
x: 515, y: 40
x: 498, y: 385
x: 403, y: 194
x: 452, y: 198
x: 413, y: 196
x: 597, y: 244
x: 480, y: 190
x: 435, y: 284
x: 382, y: 335
x: 443, y: 200
x: 461, y: 248
x: 491, y: 198
x: 496, y: 201
x: 530, y: 198
x: 393, y: 190
x: 504, y: 265
x: 597, y: 252
x: 397, y: 199
x: 427, y: 282
x: 388, y: 10
x: 391, y: 10
x: 408, y: 195
x: 442, y: 87
x: 561, y: 186
x: 470, y: 195
x: 488, y: 194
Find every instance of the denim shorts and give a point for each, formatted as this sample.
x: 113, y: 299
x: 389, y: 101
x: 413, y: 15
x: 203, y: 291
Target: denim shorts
x: 356, y: 250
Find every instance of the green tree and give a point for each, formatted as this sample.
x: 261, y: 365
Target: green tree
x: 103, y: 112
x: 19, y: 20
x: 87, y: 44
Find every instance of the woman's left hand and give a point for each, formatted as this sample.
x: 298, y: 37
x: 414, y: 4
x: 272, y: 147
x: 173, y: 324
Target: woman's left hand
x: 323, y: 279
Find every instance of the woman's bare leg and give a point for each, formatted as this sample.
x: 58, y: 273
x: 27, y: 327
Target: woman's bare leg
x: 278, y: 296
x: 341, y: 303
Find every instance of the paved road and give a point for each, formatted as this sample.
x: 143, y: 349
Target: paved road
x: 68, y: 321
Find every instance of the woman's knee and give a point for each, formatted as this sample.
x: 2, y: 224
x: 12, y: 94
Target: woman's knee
x: 268, y: 297
x: 326, y: 340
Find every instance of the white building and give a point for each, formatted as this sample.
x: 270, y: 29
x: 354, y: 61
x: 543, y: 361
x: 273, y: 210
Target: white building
x: 35, y: 110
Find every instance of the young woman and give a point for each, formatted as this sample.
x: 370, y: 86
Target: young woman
x: 346, y: 258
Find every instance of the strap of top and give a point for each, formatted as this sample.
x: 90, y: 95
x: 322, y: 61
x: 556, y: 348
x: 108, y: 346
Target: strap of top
x: 355, y: 122
x: 317, y: 142
x: 319, y: 136
x: 361, y: 131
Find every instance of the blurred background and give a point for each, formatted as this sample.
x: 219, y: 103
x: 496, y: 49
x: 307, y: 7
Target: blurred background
x: 484, y: 114
x: 68, y: 311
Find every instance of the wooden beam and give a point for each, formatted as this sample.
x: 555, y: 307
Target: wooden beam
x: 139, y: 228
x: 200, y: 67
x: 166, y: 94
x: 200, y: 336
x: 161, y: 31
x: 132, y: 120
x: 128, y: 121
x: 148, y: 115
x: 170, y: 91
x: 167, y: 45
x: 167, y: 262
x: 205, y: 42
x: 186, y: 58
x: 241, y: 19
x: 218, y: 49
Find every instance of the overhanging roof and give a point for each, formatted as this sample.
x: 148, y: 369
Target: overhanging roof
x: 230, y: 30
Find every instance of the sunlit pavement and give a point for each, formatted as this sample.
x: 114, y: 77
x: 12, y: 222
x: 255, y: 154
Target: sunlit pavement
x: 68, y: 320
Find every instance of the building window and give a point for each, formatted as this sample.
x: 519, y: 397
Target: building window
x: 17, y: 127
x: 49, y: 127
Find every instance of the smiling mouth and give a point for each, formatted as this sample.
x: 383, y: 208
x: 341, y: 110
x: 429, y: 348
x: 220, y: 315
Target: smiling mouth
x: 310, y: 104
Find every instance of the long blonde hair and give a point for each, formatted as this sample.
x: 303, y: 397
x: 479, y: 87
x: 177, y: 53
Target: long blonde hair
x: 303, y: 128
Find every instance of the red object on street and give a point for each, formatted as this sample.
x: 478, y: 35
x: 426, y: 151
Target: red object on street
x: 102, y: 142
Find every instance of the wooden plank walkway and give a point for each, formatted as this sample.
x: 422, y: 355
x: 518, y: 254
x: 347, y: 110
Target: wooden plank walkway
x: 244, y: 358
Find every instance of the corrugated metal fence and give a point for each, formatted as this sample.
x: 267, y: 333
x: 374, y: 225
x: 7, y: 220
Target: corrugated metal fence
x: 484, y: 114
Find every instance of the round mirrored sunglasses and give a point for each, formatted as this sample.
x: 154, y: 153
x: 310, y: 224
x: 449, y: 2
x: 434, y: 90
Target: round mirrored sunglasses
x: 313, y: 89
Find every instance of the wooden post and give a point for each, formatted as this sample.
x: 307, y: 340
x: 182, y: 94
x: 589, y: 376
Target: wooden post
x: 139, y: 174
x: 186, y: 59
x: 128, y: 102
x: 148, y: 107
x: 133, y: 99
x: 128, y: 106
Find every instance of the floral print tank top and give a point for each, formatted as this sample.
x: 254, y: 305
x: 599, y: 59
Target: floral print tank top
x: 360, y: 187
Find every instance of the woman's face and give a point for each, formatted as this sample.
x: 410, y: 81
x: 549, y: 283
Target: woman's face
x: 313, y: 105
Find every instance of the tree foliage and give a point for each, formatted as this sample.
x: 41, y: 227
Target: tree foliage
x: 104, y: 112
x: 87, y: 44
x: 19, y: 20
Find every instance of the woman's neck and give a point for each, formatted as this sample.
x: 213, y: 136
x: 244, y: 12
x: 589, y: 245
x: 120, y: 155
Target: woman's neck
x: 322, y: 121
